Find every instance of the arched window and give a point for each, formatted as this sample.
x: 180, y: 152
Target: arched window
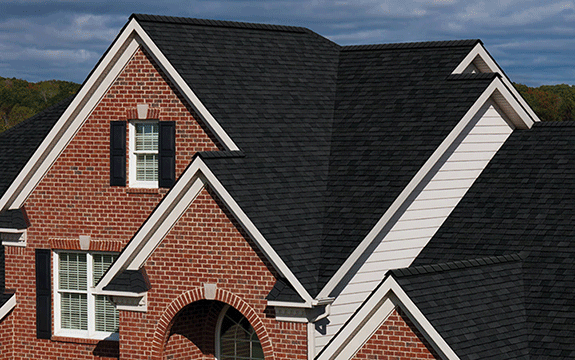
x: 237, y: 339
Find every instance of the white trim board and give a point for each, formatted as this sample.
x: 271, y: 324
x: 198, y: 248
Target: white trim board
x: 480, y: 58
x: 369, y: 318
x: 121, y: 51
x: 172, y: 207
x: 520, y: 119
x: 8, y: 305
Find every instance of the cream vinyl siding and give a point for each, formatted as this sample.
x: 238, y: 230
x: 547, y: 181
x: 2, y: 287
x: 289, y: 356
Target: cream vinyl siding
x: 424, y: 216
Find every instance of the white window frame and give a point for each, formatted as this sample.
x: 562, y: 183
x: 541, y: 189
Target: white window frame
x: 132, y: 158
x: 91, y: 333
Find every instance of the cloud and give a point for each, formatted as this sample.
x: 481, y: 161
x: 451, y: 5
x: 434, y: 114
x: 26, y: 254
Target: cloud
x: 531, y: 39
x: 57, y: 56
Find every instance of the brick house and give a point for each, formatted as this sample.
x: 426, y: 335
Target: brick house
x: 245, y: 191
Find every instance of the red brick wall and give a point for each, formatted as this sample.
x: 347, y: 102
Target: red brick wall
x: 75, y: 198
x: 7, y: 337
x: 397, y: 339
x: 207, y: 246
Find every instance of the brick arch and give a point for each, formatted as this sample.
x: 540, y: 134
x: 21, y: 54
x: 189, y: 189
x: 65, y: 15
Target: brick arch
x: 168, y: 316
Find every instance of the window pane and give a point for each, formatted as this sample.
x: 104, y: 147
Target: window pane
x: 101, y: 263
x: 106, y: 315
x: 147, y: 167
x: 74, y: 311
x: 257, y: 351
x: 146, y: 137
x: 238, y: 340
x: 72, y: 271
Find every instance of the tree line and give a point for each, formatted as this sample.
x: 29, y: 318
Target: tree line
x: 550, y: 102
x: 20, y: 99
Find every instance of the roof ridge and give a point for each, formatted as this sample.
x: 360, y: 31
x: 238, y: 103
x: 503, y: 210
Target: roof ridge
x: 218, y: 23
x: 459, y: 264
x: 412, y: 45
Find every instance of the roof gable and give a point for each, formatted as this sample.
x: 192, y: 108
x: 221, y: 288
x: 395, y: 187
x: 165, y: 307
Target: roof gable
x: 523, y: 201
x: 70, y: 119
x: 331, y: 136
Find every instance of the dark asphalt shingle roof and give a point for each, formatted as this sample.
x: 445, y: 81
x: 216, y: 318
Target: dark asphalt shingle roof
x: 282, y: 291
x: 522, y: 202
x: 18, y: 143
x: 331, y: 134
x: 13, y: 219
x: 476, y: 306
x: 130, y: 280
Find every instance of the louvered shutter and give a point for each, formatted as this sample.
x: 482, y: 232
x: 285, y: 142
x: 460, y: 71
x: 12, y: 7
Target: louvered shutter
x: 167, y: 154
x: 118, y: 153
x: 43, y: 295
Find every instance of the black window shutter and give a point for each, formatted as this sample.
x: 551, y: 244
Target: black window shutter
x: 167, y: 154
x: 118, y: 153
x: 43, y: 294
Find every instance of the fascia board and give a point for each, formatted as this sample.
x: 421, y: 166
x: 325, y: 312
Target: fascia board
x: 121, y: 51
x: 372, y: 314
x: 479, y: 50
x: 185, y: 89
x: 8, y: 305
x: 522, y: 120
x: 70, y: 121
x: 411, y: 186
x: 12, y: 231
x: 119, y: 293
x: 164, y: 217
x: 306, y: 305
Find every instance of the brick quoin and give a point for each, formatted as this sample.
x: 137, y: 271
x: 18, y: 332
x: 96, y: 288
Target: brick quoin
x: 397, y: 339
x: 205, y: 246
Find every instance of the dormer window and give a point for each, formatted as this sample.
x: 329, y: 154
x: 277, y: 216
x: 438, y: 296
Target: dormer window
x: 144, y: 154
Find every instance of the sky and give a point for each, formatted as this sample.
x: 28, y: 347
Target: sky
x: 533, y: 41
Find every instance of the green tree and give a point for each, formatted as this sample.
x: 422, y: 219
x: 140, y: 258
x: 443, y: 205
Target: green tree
x: 20, y: 99
x: 550, y: 102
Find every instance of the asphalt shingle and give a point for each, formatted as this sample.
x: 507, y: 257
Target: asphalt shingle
x: 522, y: 202
x: 331, y: 134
